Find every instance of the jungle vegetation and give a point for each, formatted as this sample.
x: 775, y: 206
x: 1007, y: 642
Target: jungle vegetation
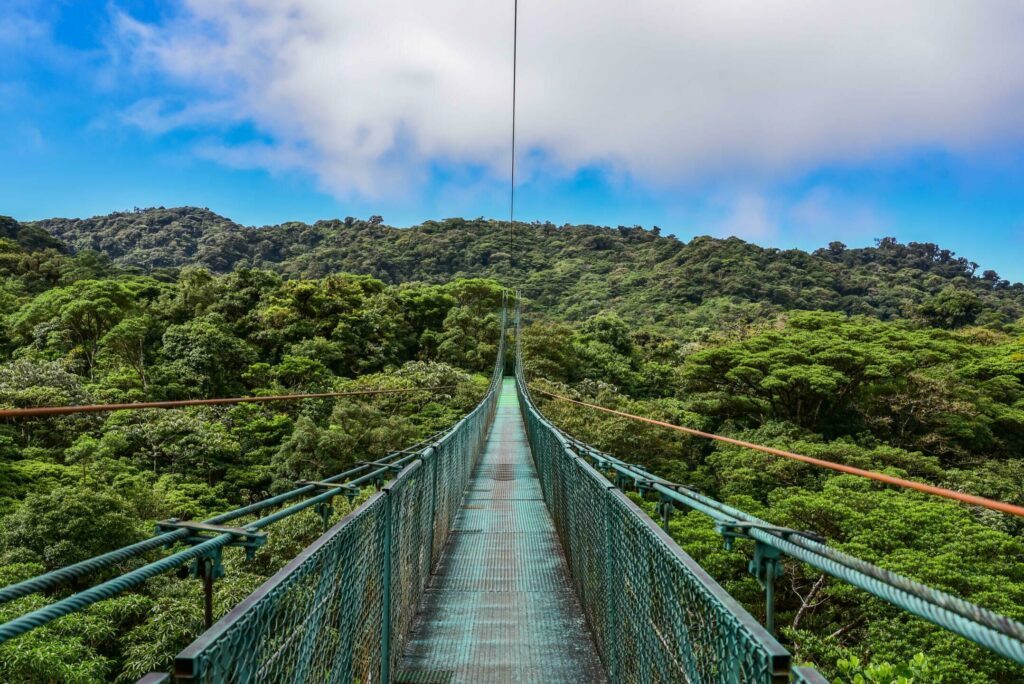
x: 570, y: 271
x: 900, y: 358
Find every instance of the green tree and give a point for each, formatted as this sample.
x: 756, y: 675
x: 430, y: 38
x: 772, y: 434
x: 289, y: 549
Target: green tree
x: 313, y: 453
x: 205, y: 358
x: 469, y: 339
x: 75, y: 318
x: 70, y: 524
x: 951, y: 308
x: 126, y: 343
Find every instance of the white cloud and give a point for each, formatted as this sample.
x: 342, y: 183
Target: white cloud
x: 830, y: 214
x: 155, y: 116
x: 366, y: 94
x: 749, y: 216
x: 21, y: 27
x: 822, y: 213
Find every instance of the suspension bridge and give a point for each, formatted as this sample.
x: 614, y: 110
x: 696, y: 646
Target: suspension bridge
x: 502, y: 550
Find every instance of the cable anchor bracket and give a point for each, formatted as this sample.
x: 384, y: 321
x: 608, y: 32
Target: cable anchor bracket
x: 740, y: 529
x: 248, y: 538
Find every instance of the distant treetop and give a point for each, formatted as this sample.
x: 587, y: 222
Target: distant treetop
x: 573, y: 271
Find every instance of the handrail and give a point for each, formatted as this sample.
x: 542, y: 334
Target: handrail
x: 117, y: 585
x: 362, y: 474
x: 651, y: 607
x: 970, y: 499
x: 981, y: 625
x: 985, y: 627
x: 54, y: 578
x: 343, y: 607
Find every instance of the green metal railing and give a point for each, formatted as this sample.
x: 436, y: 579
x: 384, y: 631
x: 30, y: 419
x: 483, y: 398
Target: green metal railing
x: 207, y: 541
x: 994, y: 631
x: 341, y: 610
x: 570, y: 457
x: 655, y: 614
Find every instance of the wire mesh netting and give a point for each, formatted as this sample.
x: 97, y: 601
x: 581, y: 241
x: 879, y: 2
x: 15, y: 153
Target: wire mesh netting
x: 320, y: 613
x: 656, y: 616
x: 341, y: 610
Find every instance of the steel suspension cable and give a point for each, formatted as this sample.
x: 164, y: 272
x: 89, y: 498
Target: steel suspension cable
x: 512, y: 182
x: 136, y: 577
x: 67, y: 573
x: 368, y: 472
x: 1002, y: 506
x: 60, y: 576
x: 997, y: 632
x: 879, y: 581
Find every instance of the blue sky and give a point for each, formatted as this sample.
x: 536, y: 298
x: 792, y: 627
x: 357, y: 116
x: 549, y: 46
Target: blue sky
x: 699, y: 121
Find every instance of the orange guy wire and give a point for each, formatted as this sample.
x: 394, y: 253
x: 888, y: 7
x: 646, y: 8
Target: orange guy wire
x: 1004, y: 507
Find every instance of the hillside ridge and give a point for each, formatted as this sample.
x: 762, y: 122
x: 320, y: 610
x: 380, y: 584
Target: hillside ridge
x: 574, y: 269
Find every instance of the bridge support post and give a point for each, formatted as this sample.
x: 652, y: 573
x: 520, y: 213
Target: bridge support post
x: 769, y: 599
x: 210, y: 566
x: 666, y: 508
x: 432, y: 452
x: 766, y: 567
x: 385, y: 624
x: 325, y: 510
x: 207, y: 570
x: 611, y: 582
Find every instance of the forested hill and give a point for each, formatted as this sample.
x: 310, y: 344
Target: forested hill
x: 28, y: 237
x: 576, y: 270
x: 699, y: 340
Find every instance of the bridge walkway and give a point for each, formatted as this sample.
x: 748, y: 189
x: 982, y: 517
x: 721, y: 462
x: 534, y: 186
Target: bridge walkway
x: 499, y: 607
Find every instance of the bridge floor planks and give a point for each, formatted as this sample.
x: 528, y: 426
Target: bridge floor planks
x: 499, y: 607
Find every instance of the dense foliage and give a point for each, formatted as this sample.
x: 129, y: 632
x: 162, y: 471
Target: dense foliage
x: 940, y: 406
x: 898, y: 358
x: 79, y: 330
x: 572, y: 271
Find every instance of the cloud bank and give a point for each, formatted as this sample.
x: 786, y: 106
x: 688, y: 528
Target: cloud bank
x: 370, y: 95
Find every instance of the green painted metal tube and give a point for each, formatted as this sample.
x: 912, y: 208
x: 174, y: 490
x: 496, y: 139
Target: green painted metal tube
x: 672, y: 621
x: 611, y: 579
x: 117, y: 585
x: 155, y: 678
x: 755, y: 639
x: 376, y: 578
x: 62, y: 575
x: 70, y: 572
x: 987, y: 628
x: 110, y: 588
x: 808, y: 675
x: 189, y: 664
x: 385, y: 604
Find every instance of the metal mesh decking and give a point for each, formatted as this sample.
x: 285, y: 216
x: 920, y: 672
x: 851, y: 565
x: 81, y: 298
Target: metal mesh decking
x: 340, y: 611
x: 499, y: 607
